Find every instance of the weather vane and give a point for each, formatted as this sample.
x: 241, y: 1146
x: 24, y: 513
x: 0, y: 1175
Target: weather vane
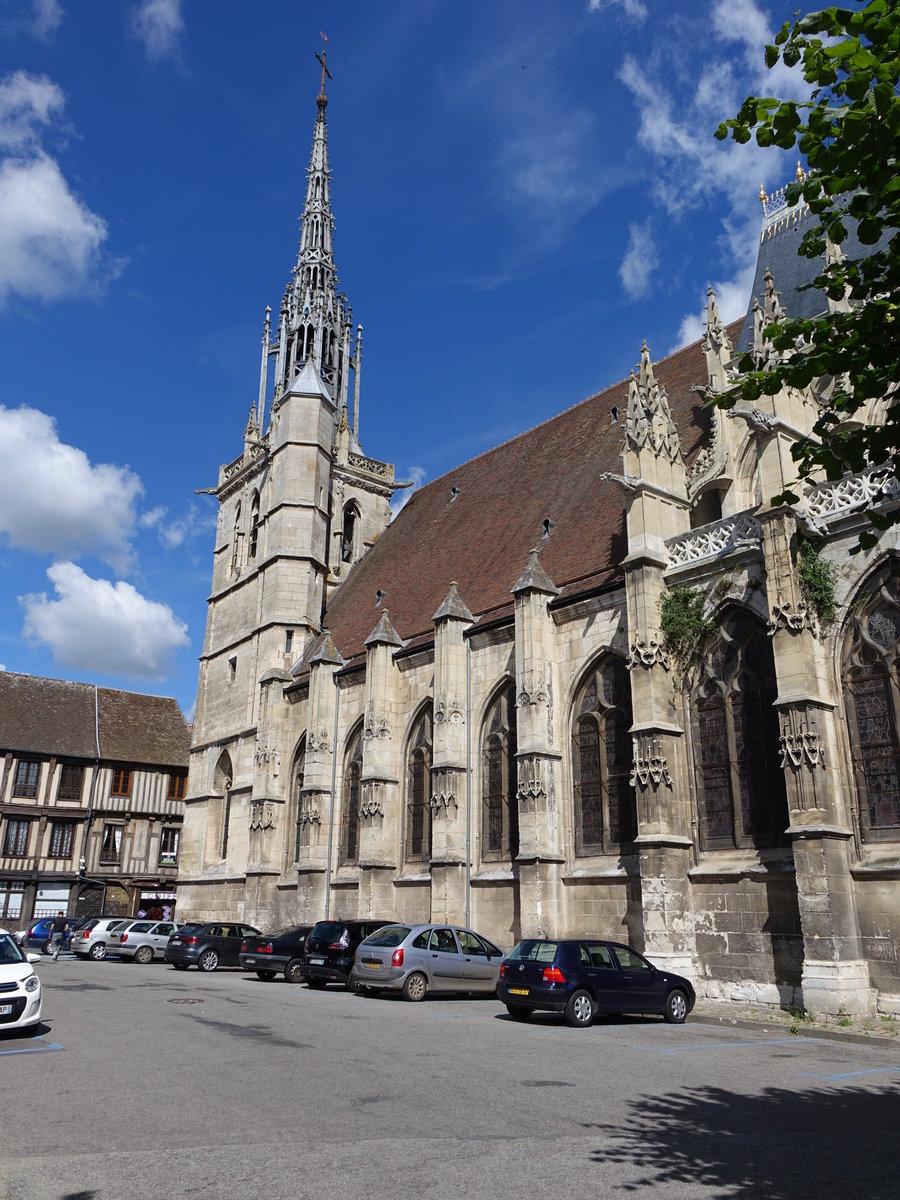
x: 321, y: 58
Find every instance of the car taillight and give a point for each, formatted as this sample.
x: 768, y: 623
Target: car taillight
x: 342, y: 943
x: 265, y: 948
x: 123, y: 937
x: 503, y: 970
x: 190, y: 941
x: 397, y: 957
x: 86, y: 934
x: 553, y: 975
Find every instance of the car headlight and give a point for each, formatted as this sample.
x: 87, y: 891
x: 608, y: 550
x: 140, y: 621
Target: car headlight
x: 32, y: 983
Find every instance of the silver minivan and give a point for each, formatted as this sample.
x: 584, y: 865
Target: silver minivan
x: 91, y: 940
x: 417, y: 959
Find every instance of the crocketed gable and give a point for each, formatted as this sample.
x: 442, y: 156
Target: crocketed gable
x: 477, y: 523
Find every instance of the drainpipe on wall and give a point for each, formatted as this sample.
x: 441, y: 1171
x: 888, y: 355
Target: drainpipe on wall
x: 468, y: 779
x: 82, y: 863
x: 337, y: 705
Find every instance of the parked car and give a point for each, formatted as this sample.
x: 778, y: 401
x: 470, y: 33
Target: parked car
x: 37, y: 935
x: 330, y: 948
x: 417, y: 959
x: 92, y: 939
x: 207, y: 945
x: 582, y: 977
x: 269, y: 953
x: 20, y: 988
x: 141, y: 941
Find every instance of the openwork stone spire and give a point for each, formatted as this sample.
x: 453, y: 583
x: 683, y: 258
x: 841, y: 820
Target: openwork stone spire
x: 649, y: 421
x: 315, y: 316
x: 716, y: 345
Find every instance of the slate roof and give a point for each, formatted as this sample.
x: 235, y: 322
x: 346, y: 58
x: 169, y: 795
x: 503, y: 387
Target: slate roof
x: 55, y: 716
x: 481, y: 534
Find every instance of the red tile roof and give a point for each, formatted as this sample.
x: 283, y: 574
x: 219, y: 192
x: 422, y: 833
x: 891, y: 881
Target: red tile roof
x: 481, y: 534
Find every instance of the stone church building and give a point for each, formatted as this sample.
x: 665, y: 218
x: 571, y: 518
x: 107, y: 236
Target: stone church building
x: 472, y: 713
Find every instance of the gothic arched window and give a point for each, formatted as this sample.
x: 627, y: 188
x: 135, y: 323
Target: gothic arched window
x: 499, y: 803
x: 418, y: 790
x: 236, y: 539
x: 350, y: 805
x: 254, y: 526
x: 605, y: 817
x: 348, y: 537
x: 222, y: 780
x: 871, y: 673
x: 740, y: 781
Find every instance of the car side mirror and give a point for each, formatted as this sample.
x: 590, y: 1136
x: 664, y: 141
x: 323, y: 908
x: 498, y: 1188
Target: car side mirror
x: 32, y: 958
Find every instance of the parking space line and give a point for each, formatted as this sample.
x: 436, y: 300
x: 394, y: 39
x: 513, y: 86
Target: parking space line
x: 852, y: 1074
x: 791, y: 1041
x: 35, y: 1049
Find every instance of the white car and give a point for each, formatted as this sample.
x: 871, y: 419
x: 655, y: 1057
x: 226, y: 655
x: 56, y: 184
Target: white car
x: 20, y: 988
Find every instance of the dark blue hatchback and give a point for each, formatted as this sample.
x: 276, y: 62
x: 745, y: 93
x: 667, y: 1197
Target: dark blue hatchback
x: 582, y: 977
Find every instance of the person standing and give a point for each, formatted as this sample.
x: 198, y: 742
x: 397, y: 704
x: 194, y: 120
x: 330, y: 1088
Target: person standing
x: 59, y: 927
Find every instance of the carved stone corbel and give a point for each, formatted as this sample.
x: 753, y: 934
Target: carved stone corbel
x: 647, y: 652
x: 372, y: 803
x: 650, y: 767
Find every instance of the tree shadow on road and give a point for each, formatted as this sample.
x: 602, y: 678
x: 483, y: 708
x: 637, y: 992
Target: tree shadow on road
x: 830, y: 1144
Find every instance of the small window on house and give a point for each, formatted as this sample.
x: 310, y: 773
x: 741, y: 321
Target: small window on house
x: 121, y: 782
x: 15, y: 839
x: 26, y: 781
x: 71, y: 782
x: 177, y: 785
x: 111, y: 847
x: 288, y: 641
x: 168, y: 848
x: 232, y: 668
x: 61, y: 835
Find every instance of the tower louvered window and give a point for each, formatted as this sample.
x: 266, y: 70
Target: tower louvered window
x: 605, y: 818
x: 736, y: 740
x: 499, y: 803
x: 871, y: 672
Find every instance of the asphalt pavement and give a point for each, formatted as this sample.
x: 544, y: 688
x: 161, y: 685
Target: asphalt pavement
x: 147, y: 1082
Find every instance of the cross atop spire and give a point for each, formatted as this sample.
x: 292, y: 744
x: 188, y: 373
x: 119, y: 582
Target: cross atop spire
x: 322, y: 99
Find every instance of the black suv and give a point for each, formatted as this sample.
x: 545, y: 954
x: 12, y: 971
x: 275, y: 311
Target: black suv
x: 331, y: 948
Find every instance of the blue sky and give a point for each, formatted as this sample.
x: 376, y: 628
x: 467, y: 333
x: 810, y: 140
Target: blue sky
x: 523, y: 191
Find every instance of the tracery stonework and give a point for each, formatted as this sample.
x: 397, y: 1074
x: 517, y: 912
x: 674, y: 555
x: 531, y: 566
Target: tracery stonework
x: 444, y: 785
x: 800, y: 745
x: 531, y: 780
x: 262, y: 814
x: 372, y: 802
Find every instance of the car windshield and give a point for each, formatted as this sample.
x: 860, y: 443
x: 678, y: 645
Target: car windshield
x: 189, y: 929
x: 328, y: 929
x: 392, y: 936
x: 9, y: 951
x: 534, y: 951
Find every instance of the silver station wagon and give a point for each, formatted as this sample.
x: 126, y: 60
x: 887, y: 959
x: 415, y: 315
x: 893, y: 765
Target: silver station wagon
x: 417, y: 959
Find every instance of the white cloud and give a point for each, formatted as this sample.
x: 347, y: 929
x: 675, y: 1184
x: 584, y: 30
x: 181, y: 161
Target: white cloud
x: 96, y: 625
x: 400, y: 499
x: 640, y: 261
x: 635, y: 9
x: 48, y: 15
x: 28, y: 104
x: 54, y: 501
x: 158, y: 24
x: 174, y: 531
x: 51, y: 244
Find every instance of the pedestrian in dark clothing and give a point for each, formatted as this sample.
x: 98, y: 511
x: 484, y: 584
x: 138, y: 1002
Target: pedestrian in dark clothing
x: 59, y: 927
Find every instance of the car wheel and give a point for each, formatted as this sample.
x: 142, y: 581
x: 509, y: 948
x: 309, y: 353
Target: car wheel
x: 351, y: 985
x: 143, y: 954
x: 293, y: 972
x: 97, y: 951
x: 519, y: 1012
x: 580, y: 1009
x: 266, y: 974
x: 208, y: 960
x: 415, y: 986
x: 181, y: 966
x: 676, y: 1007
x: 46, y: 948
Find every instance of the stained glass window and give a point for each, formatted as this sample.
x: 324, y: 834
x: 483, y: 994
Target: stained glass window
x: 605, y: 816
x: 418, y: 790
x: 499, y: 803
x: 350, y: 807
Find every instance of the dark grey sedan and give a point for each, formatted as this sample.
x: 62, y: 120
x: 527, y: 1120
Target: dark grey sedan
x: 417, y: 959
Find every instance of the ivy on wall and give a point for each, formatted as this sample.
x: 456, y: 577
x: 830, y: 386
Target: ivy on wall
x: 816, y: 581
x: 687, y: 632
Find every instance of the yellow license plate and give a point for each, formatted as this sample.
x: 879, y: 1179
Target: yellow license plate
x: 372, y: 966
x: 518, y: 991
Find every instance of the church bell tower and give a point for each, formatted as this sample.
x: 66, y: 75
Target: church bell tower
x: 298, y: 507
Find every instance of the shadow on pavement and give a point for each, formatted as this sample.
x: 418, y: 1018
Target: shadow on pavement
x: 783, y: 1145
